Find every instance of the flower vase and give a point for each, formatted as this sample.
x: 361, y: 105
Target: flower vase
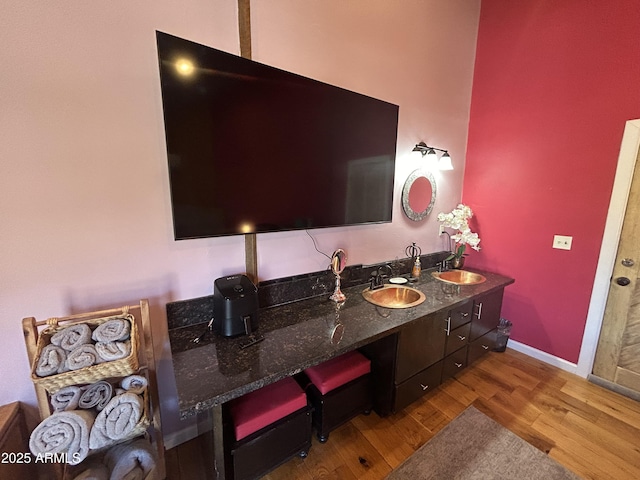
x: 457, y: 262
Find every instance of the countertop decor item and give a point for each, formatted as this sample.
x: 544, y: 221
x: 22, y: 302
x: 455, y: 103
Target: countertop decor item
x: 398, y: 280
x: 338, y: 262
x: 414, y: 252
x: 458, y: 219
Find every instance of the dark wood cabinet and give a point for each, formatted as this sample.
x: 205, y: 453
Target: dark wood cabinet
x: 415, y: 387
x: 460, y: 315
x: 430, y: 350
x: 458, y: 338
x: 420, y: 345
x: 458, y: 329
x: 454, y: 363
x: 407, y: 364
x: 17, y: 462
x: 486, y: 313
x: 482, y: 345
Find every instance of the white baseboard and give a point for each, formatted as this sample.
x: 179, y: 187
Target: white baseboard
x: 543, y: 356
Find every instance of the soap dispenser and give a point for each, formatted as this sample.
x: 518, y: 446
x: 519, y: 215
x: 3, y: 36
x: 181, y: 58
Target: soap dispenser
x: 417, y: 268
x: 414, y: 252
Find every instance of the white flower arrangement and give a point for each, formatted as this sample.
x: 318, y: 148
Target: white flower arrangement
x: 459, y: 219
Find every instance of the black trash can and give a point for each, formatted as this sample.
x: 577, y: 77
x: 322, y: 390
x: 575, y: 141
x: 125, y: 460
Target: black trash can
x: 504, y: 331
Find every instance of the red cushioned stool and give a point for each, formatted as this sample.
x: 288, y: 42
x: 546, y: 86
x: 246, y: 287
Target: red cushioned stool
x: 269, y: 426
x: 339, y: 389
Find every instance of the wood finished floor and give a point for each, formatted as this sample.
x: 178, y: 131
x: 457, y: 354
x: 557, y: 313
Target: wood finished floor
x: 591, y: 430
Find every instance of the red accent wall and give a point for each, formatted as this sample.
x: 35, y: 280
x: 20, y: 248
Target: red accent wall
x: 554, y: 84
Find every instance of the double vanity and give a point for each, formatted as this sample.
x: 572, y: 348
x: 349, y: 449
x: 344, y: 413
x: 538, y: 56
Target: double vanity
x: 432, y: 349
x: 413, y: 348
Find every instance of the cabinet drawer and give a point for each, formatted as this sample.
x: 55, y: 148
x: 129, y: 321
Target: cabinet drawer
x: 453, y: 363
x: 458, y: 338
x: 461, y: 315
x: 413, y: 388
x: 482, y: 345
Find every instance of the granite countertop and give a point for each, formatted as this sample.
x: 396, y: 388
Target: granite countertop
x: 296, y: 336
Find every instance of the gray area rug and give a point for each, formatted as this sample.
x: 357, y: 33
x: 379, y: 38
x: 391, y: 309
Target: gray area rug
x: 473, y: 446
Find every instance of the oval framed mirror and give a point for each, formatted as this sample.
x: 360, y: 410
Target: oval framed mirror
x: 419, y: 194
x: 338, y: 261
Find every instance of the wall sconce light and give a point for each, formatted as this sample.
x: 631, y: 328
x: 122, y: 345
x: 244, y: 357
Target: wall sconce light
x: 430, y: 152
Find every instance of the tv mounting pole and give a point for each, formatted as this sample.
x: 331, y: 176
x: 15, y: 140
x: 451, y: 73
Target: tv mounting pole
x: 244, y: 30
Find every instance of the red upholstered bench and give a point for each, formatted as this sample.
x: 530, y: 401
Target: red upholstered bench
x: 339, y: 389
x: 269, y: 426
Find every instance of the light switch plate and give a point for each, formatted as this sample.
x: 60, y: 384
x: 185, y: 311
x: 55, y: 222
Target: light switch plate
x: 562, y: 242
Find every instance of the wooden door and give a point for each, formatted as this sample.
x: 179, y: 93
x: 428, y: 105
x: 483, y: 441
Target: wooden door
x: 618, y: 354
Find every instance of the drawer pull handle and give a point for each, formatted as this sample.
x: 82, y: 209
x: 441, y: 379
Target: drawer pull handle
x: 458, y: 364
x: 485, y: 347
x: 462, y: 338
x: 424, y: 387
x: 464, y: 314
x: 479, y: 313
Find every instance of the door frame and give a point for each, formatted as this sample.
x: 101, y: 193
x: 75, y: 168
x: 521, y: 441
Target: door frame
x: 629, y: 149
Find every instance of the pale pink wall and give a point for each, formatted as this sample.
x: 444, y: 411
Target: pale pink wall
x: 554, y: 84
x: 404, y: 53
x: 84, y: 202
x: 84, y: 216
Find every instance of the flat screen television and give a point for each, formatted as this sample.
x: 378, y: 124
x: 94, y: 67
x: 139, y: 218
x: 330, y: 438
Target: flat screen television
x: 252, y: 148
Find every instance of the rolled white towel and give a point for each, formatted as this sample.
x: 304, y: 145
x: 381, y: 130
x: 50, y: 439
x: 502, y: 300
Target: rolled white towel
x: 72, y: 337
x: 127, y: 459
x: 117, y: 420
x: 134, y: 383
x: 52, y: 360
x: 66, y: 398
x: 83, y: 356
x: 64, y: 432
x: 96, y: 395
x: 114, y: 330
x: 110, y: 351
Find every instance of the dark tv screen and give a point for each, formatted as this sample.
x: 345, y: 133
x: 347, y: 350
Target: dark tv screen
x: 252, y: 148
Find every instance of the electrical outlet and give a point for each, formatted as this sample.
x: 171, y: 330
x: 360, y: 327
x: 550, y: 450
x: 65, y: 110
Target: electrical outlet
x: 441, y: 231
x: 562, y: 242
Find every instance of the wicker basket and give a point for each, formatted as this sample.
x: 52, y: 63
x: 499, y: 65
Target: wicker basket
x: 115, y: 368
